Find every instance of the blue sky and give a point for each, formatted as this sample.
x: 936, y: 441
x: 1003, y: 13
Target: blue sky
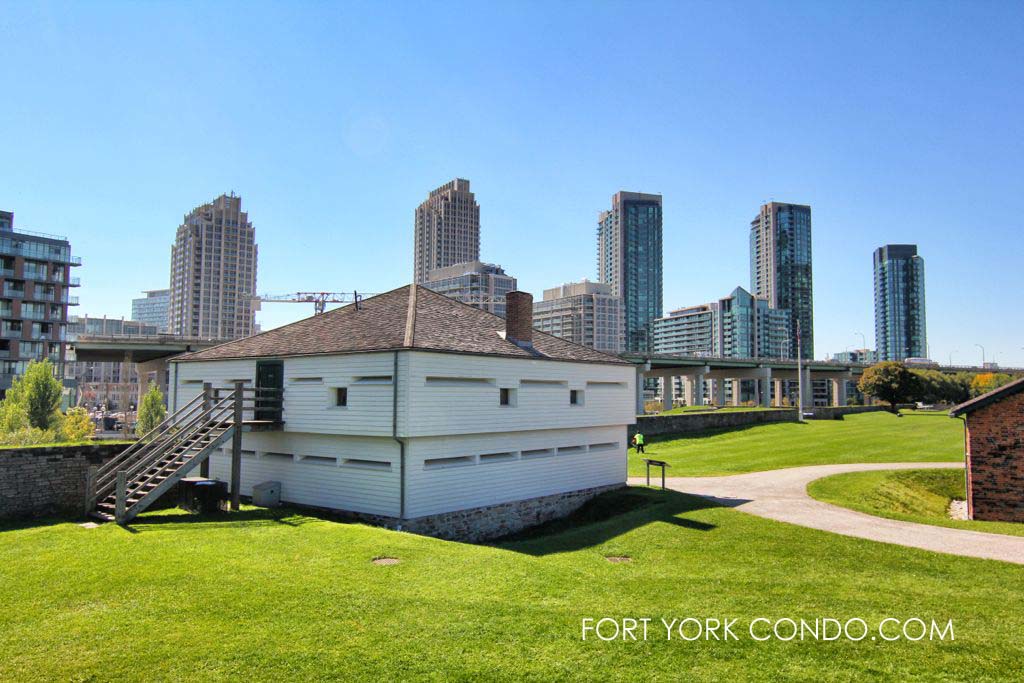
x: 897, y: 122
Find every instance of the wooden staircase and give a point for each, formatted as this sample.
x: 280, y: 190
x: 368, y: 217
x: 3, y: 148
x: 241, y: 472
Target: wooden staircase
x: 137, y: 477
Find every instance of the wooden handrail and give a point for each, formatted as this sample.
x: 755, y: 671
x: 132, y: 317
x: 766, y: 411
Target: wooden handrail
x: 145, y: 479
x: 111, y: 466
x: 147, y: 468
x: 182, y: 430
x: 196, y: 425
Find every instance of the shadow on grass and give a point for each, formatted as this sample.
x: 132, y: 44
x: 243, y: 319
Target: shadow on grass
x: 21, y: 524
x: 173, y: 519
x: 609, y: 515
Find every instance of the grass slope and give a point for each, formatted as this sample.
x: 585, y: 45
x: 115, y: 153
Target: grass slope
x: 921, y: 496
x: 282, y: 596
x: 867, y: 437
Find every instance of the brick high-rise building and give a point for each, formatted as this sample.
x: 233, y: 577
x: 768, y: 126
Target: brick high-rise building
x: 629, y: 259
x: 213, y: 272
x: 447, y: 229
x: 35, y: 281
x: 780, y: 266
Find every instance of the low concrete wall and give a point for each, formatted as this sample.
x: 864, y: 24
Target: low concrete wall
x: 831, y: 413
x: 41, y: 482
x: 685, y: 423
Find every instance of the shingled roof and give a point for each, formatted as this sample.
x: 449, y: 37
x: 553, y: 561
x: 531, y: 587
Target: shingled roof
x: 409, y: 317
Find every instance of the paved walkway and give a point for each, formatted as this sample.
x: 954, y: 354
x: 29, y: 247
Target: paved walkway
x: 782, y: 495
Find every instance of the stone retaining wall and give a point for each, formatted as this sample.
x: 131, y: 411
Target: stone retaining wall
x: 41, y: 482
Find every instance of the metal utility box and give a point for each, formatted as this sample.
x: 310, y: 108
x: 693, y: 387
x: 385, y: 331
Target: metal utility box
x: 267, y: 494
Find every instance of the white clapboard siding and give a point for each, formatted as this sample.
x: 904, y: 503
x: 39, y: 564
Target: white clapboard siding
x: 456, y: 486
x: 311, y: 482
x: 471, y: 406
x: 309, y: 406
x: 448, y: 411
x: 187, y: 378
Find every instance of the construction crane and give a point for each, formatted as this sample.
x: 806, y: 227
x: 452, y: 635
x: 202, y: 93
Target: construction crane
x: 321, y: 299
x: 318, y: 299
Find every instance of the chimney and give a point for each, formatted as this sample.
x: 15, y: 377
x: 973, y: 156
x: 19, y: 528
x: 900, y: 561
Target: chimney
x: 519, y: 318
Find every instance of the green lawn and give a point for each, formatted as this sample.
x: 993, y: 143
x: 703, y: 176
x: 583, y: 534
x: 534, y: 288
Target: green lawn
x: 911, y: 495
x: 282, y: 596
x: 707, y: 409
x: 867, y: 437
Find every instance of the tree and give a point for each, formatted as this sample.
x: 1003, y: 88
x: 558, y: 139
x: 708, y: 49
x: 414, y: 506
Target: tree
x: 891, y: 382
x: 151, y: 411
x: 77, y: 425
x: 938, y: 387
x: 987, y: 381
x: 39, y: 391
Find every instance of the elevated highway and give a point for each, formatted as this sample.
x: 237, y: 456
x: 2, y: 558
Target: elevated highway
x: 766, y: 375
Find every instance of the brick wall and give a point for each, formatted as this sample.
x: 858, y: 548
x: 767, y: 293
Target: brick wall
x: 41, y: 482
x: 995, y: 461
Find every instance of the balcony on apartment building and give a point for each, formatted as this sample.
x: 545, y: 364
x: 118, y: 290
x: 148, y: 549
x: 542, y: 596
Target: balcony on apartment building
x: 50, y: 294
x: 40, y: 332
x: 17, y: 245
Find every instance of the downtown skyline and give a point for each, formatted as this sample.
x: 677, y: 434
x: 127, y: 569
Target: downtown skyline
x: 872, y: 179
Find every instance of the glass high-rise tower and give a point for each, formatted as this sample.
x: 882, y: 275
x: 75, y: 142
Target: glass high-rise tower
x: 900, y: 330
x: 780, y: 266
x: 629, y: 259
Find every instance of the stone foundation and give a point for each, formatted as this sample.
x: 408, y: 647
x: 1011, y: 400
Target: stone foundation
x: 494, y: 521
x: 482, y: 523
x: 42, y: 482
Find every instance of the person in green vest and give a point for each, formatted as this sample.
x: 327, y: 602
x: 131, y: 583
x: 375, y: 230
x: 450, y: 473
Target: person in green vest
x: 638, y: 442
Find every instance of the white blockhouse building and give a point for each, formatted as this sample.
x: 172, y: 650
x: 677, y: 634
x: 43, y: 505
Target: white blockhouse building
x: 416, y: 411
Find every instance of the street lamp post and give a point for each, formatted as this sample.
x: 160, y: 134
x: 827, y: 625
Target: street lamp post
x: 982, y: 354
x: 951, y: 355
x: 799, y: 377
x: 863, y: 340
